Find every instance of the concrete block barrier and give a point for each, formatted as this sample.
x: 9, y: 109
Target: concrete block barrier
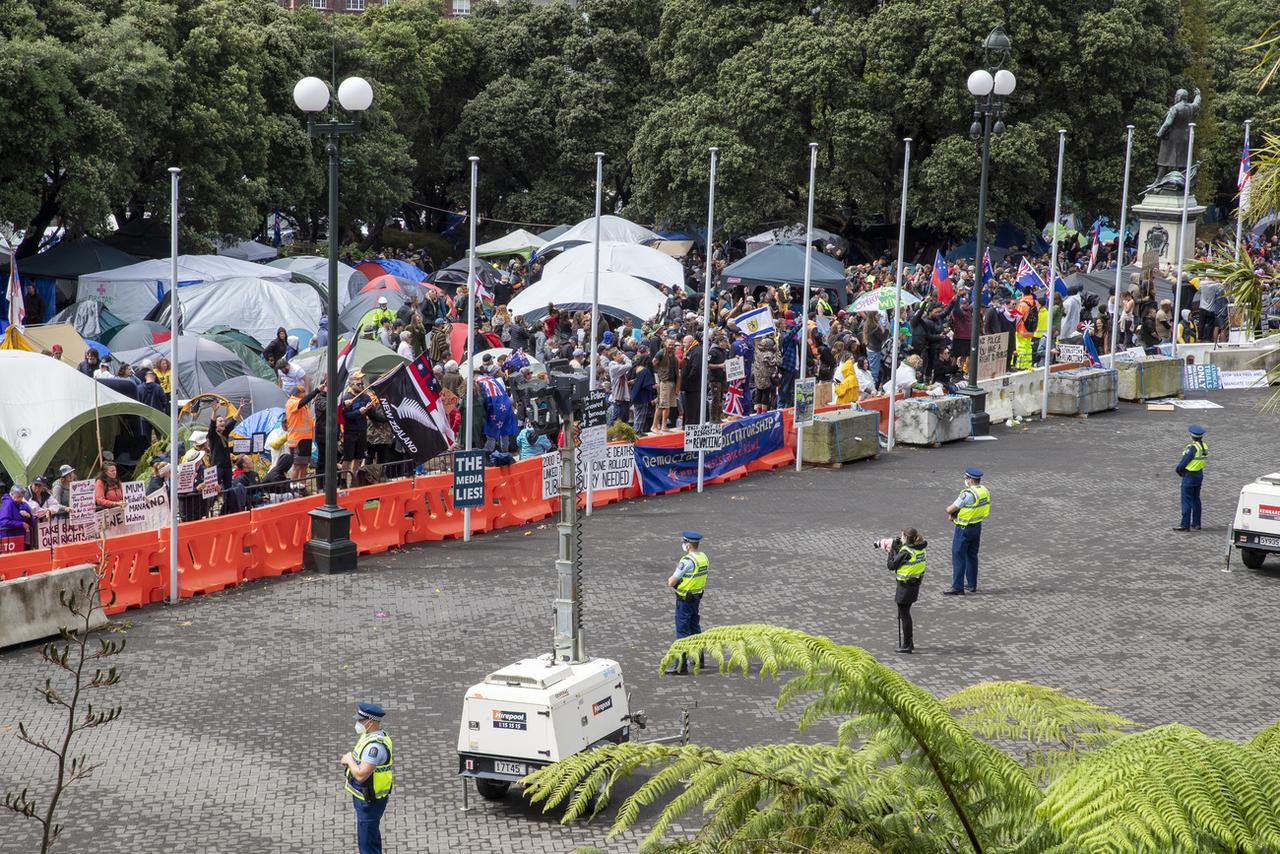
x: 31, y: 608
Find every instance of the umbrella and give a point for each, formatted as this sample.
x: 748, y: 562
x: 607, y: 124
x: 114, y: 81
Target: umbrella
x: 620, y: 295
x: 257, y: 393
x: 139, y: 333
x: 458, y: 341
x: 261, y: 421
x: 881, y: 299
x: 456, y: 274
x: 202, y: 364
x: 103, y: 352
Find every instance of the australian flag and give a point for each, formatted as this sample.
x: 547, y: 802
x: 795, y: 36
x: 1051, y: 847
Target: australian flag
x: 410, y: 398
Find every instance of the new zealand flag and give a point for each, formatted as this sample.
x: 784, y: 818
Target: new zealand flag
x: 410, y: 398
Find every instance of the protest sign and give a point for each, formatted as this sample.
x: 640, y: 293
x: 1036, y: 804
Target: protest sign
x: 468, y: 478
x: 209, y: 484
x: 61, y: 529
x: 592, y: 441
x: 1243, y: 379
x: 1196, y: 377
x: 735, y: 369
x: 611, y: 470
x: 82, y: 503
x: 242, y: 446
x: 187, y: 476
x: 258, y: 443
x: 703, y: 437
x: 992, y: 354
x: 806, y: 390
x: 550, y: 475
x: 1071, y: 353
x: 135, y: 502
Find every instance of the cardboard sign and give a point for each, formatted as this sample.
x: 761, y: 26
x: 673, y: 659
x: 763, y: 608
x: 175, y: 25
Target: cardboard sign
x: 704, y: 437
x: 209, y: 485
x: 735, y: 369
x: 82, y: 503
x: 135, y: 502
x: 611, y: 470
x: 468, y: 478
x: 992, y: 353
x: 258, y: 443
x: 595, y: 410
x: 1071, y: 353
x: 1243, y: 379
x: 242, y: 446
x: 592, y: 442
x: 805, y: 392
x: 1196, y: 377
x: 550, y: 475
x: 187, y: 476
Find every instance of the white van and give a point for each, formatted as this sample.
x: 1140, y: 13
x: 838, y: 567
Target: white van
x: 1256, y: 529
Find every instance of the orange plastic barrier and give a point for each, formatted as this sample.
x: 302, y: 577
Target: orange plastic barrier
x: 518, y: 495
x: 378, y: 520
x: 279, y: 532
x: 74, y: 554
x: 136, y: 570
x: 18, y: 564
x: 214, y: 554
x: 435, y: 517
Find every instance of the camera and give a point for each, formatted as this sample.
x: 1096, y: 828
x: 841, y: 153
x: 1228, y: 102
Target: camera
x: 884, y: 544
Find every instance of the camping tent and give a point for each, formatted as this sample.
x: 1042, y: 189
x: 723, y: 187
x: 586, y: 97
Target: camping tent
x: 791, y: 234
x: 518, y: 242
x: 783, y: 264
x: 91, y: 319
x: 500, y: 355
x: 55, y: 271
x: 202, y: 364
x: 247, y: 349
x: 1103, y: 284
x: 555, y: 231
x: 370, y: 357
x: 390, y: 267
x: 248, y: 250
x: 258, y: 394
x: 47, y: 414
x: 316, y: 269
x: 362, y: 304
x: 140, y: 333
x: 613, y: 229
x: 256, y: 307
x: 456, y: 274
x: 654, y: 267
x: 620, y: 295
x: 43, y: 337
x: 131, y: 292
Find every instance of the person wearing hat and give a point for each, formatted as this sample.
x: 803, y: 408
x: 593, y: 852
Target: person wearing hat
x: 40, y: 500
x: 62, y: 487
x: 967, y: 512
x: 355, y: 404
x: 1191, y: 469
x: 907, y: 555
x: 159, y: 473
x: 689, y: 582
x: 368, y: 772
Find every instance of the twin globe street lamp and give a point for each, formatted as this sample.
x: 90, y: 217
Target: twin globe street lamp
x: 989, y: 87
x: 330, y: 548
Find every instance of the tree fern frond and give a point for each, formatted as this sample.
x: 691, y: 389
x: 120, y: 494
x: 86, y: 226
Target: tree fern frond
x: 1268, y: 740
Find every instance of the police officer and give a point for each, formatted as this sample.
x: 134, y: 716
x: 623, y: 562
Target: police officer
x: 368, y: 774
x: 968, y: 511
x: 1191, y: 469
x: 907, y: 560
x: 689, y: 581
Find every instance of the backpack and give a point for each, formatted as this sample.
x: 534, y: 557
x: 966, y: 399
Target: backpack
x: 1032, y: 318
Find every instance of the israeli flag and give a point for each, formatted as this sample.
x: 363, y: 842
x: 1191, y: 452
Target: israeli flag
x: 756, y: 323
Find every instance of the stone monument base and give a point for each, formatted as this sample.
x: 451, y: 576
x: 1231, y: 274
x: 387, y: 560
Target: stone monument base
x: 1160, y: 216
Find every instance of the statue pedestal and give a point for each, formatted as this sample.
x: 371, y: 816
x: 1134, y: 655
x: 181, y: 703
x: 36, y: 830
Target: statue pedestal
x: 1160, y: 215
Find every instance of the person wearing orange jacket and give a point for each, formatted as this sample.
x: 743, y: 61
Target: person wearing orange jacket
x: 300, y: 425
x: 1025, y: 308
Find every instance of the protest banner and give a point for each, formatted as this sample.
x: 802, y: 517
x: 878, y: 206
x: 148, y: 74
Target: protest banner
x: 746, y: 439
x: 62, y: 529
x: 1243, y: 379
x: 611, y: 470
x: 992, y: 354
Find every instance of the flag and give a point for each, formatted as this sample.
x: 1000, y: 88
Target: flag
x: 756, y: 323
x: 733, y: 398
x: 1028, y: 277
x: 452, y: 221
x: 409, y: 396
x: 1243, y: 176
x: 481, y: 291
x: 987, y: 273
x: 499, y: 414
x: 1092, y: 351
x: 346, y: 364
x: 17, y: 307
x: 942, y: 278
x: 1059, y: 286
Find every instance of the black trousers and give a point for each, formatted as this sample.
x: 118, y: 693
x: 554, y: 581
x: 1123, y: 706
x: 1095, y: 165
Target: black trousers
x: 906, y: 596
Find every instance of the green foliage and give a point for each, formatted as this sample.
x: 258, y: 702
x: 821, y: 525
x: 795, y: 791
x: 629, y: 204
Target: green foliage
x: 621, y: 431
x: 909, y: 772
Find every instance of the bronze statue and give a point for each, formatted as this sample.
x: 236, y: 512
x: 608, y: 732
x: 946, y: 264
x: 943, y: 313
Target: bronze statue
x: 1174, y: 133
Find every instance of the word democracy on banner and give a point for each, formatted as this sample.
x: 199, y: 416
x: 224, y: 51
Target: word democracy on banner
x: 747, y: 439
x: 63, y: 529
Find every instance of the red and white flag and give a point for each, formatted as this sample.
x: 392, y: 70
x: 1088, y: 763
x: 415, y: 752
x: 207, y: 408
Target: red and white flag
x: 482, y: 292
x: 17, y: 307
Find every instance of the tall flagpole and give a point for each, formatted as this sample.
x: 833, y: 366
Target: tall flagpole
x: 1124, y: 211
x: 804, y: 308
x: 1240, y: 203
x: 706, y: 307
x: 1182, y: 236
x: 1052, y: 278
x: 472, y: 295
x: 593, y: 361
x: 173, y: 384
x: 897, y: 286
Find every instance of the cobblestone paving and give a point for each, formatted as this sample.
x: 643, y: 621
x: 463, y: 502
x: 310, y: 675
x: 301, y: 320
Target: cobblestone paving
x: 237, y: 705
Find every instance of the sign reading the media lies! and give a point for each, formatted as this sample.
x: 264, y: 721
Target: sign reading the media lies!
x: 468, y: 478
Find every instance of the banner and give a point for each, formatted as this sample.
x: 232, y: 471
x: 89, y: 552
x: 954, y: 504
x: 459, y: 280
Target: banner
x: 745, y: 440
x: 63, y: 530
x: 551, y: 475
x: 610, y: 469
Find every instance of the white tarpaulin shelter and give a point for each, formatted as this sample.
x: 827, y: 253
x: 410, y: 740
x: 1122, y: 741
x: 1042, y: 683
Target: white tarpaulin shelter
x: 656, y: 268
x: 500, y: 355
x: 316, y: 269
x: 248, y: 250
x: 791, y: 234
x: 203, y: 365
x: 256, y: 307
x: 518, y: 242
x: 620, y: 295
x: 47, y: 415
x: 613, y: 229
x: 131, y: 292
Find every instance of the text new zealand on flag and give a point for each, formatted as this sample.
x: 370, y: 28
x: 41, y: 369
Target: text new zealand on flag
x: 744, y: 440
x: 409, y: 397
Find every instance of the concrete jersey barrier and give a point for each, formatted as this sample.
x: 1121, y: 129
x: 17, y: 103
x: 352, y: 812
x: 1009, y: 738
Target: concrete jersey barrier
x: 31, y: 608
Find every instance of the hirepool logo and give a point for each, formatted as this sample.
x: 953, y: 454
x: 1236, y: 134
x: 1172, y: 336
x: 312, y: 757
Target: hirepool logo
x: 509, y: 720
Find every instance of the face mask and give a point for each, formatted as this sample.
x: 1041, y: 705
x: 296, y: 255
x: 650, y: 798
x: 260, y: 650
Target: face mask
x: 360, y: 729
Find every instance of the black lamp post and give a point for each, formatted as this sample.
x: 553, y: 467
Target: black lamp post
x: 990, y: 87
x: 330, y: 548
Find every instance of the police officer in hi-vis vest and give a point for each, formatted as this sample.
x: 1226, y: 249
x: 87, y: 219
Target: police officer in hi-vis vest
x: 968, y: 511
x: 907, y: 560
x: 368, y: 773
x: 1191, y: 469
x: 689, y: 581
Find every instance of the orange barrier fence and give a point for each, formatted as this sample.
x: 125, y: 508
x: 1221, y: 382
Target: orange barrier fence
x: 279, y: 532
x: 214, y: 554
x: 378, y: 515
x: 136, y: 570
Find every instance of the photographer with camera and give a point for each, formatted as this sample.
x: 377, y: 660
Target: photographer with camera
x: 907, y: 560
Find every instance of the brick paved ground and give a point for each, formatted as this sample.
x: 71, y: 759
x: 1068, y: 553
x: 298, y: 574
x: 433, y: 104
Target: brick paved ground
x: 238, y: 704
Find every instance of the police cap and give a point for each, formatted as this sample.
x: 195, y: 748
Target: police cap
x: 691, y: 536
x: 368, y: 711
x: 975, y: 473
x: 1195, y: 430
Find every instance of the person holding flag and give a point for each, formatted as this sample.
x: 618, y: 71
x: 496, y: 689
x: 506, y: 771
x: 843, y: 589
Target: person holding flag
x: 941, y: 279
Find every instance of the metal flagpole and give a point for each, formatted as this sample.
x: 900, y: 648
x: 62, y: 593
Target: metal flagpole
x: 897, y: 286
x: 1124, y: 210
x: 1053, y: 276
x: 706, y: 307
x: 1182, y: 236
x: 1240, y: 203
x: 472, y: 296
x: 174, y: 460
x: 592, y: 361
x: 804, y: 307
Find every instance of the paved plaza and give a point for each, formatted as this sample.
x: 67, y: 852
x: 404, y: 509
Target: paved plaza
x: 237, y: 705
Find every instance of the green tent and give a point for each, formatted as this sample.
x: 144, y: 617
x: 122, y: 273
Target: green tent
x: 370, y: 357
x: 249, y: 350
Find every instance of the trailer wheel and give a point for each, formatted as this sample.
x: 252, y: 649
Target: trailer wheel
x: 1253, y: 558
x: 492, y: 790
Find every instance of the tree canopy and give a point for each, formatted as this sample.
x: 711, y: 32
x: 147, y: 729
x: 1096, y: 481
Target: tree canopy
x: 102, y: 96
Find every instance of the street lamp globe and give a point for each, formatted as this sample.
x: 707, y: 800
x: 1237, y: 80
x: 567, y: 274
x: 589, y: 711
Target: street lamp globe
x: 355, y: 94
x: 981, y: 83
x: 1005, y: 83
x: 311, y: 94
